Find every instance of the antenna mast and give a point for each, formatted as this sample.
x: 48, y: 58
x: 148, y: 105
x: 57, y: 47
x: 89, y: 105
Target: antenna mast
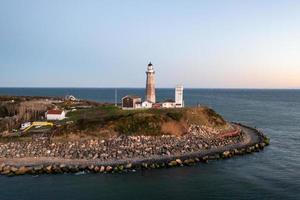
x: 116, y: 96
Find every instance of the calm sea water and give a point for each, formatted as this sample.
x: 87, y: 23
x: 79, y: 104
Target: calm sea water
x: 271, y: 174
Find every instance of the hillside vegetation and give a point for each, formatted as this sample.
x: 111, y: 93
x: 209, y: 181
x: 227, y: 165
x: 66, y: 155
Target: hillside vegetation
x: 111, y: 119
x: 15, y: 111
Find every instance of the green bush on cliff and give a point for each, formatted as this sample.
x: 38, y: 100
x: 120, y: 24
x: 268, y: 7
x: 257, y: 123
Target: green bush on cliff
x: 175, y: 115
x: 139, y: 124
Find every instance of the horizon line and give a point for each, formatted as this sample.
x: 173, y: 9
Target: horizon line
x: 64, y: 87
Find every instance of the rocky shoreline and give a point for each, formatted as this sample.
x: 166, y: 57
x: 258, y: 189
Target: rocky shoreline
x: 124, y: 153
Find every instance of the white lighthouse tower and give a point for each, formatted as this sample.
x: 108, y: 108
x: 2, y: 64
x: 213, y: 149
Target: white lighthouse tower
x: 150, y: 84
x: 179, y: 103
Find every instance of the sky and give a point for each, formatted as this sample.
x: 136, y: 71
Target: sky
x: 108, y: 43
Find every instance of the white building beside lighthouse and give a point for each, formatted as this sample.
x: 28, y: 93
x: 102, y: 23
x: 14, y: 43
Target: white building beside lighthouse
x: 179, y: 103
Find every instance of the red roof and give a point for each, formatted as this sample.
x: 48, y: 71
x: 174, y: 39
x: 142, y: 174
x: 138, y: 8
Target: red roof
x: 156, y: 105
x: 54, y: 112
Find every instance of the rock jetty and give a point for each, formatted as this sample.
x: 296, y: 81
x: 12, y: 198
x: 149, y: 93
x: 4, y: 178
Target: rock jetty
x: 124, y: 153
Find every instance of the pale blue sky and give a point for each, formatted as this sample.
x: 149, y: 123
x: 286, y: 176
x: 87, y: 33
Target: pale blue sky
x: 202, y: 44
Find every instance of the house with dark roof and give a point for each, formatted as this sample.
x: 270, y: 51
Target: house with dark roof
x: 130, y: 102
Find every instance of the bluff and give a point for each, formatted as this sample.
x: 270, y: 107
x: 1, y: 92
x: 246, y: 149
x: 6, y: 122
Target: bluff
x: 177, y: 121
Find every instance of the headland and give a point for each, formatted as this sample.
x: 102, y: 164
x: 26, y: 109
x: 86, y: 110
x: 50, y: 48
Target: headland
x: 102, y: 138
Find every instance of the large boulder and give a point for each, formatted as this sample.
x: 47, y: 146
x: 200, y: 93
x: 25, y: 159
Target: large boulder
x: 109, y: 169
x: 38, y: 169
x: 13, y: 169
x: 2, y: 166
x: 172, y: 163
x: 128, y: 166
x: 102, y: 169
x: 22, y: 170
x: 226, y: 154
x: 189, y: 161
x: 49, y: 169
x: 179, y: 161
x: 6, y: 170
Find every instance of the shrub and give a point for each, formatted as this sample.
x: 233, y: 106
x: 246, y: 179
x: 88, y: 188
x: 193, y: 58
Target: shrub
x: 175, y: 115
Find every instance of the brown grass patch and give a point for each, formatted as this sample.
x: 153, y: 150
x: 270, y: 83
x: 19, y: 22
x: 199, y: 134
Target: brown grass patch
x: 174, y: 128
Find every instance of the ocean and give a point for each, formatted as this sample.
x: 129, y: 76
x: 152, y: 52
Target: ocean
x: 273, y: 173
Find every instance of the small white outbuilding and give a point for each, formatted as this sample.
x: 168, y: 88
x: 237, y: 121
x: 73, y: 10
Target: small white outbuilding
x: 168, y: 104
x: 70, y: 98
x: 147, y: 104
x: 55, y: 115
x: 25, y: 125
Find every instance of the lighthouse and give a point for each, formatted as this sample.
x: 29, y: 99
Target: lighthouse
x: 150, y: 84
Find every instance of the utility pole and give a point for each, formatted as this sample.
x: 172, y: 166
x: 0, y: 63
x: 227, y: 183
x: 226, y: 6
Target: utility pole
x: 116, y: 97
